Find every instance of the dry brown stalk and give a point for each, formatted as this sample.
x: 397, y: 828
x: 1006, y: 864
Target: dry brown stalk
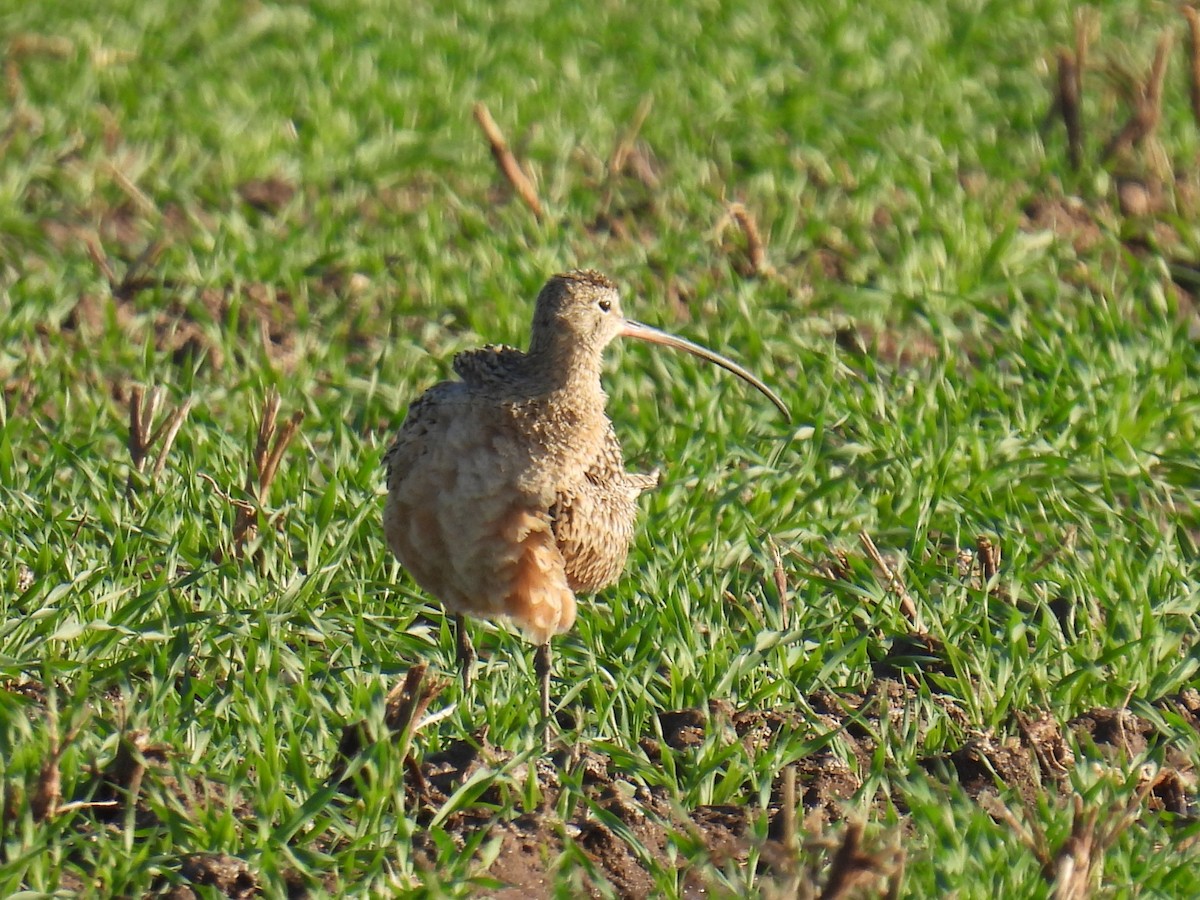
x: 756, y: 251
x: 1193, y: 19
x: 781, y: 586
x: 1075, y: 867
x: 408, y: 701
x: 623, y: 148
x: 988, y: 553
x: 271, y: 467
x: 896, y: 876
x: 30, y: 44
x: 46, y: 801
x: 135, y: 194
x: 264, y: 464
x: 47, y: 794
x: 852, y: 867
x: 1030, y: 835
x: 641, y: 165
x: 143, y: 409
x: 14, y: 86
x: 1147, y: 104
x: 893, y: 581
x: 1086, y: 27
x: 1158, y: 71
x: 509, y: 167
x: 1072, y: 66
x: 169, y: 430
x: 404, y: 715
x: 787, y: 809
x: 1078, y: 862
x: 1068, y: 103
x: 100, y: 258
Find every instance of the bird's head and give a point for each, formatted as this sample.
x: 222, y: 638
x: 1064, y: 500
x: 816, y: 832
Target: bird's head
x: 579, y: 313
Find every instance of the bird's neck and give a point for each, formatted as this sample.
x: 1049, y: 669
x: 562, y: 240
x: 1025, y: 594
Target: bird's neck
x: 564, y: 378
x: 563, y: 401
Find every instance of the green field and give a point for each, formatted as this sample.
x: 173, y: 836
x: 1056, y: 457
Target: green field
x: 981, y: 346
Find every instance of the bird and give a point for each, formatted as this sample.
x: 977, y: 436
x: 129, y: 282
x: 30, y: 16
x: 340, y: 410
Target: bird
x: 507, y: 492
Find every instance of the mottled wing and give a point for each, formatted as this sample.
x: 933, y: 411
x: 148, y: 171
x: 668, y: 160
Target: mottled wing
x: 594, y: 517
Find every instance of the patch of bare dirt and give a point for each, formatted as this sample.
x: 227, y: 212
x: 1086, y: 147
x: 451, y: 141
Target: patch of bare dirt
x: 984, y: 766
x: 901, y: 349
x: 1066, y: 217
x: 1185, y: 704
x: 268, y: 195
x: 228, y: 874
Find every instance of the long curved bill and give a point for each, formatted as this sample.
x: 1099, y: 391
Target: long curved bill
x: 633, y: 329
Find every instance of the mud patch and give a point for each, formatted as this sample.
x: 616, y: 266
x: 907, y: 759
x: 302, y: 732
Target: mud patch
x: 983, y: 766
x: 1066, y: 217
x: 903, y: 350
x: 267, y: 195
x: 228, y: 874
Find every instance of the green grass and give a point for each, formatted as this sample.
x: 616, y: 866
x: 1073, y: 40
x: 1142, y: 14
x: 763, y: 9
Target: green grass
x: 1015, y: 386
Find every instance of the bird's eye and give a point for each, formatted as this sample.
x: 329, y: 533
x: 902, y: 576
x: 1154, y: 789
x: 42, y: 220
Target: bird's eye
x: 605, y: 305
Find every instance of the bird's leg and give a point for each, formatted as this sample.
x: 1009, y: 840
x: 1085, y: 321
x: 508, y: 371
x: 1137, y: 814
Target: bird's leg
x: 466, y: 652
x: 541, y: 665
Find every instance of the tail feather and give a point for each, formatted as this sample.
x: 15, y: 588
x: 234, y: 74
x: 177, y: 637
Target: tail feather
x: 539, y: 599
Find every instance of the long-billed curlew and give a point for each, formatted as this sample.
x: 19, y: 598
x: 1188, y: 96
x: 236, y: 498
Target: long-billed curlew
x: 507, y: 491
